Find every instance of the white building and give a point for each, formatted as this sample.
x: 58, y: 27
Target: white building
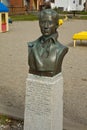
x: 69, y: 5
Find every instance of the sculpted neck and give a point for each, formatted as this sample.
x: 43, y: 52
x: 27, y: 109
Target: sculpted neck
x: 53, y: 36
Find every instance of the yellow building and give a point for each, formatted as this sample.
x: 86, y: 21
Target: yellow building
x: 3, y: 18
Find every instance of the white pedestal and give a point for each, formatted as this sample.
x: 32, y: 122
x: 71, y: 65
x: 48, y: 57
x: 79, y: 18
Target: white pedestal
x: 44, y: 103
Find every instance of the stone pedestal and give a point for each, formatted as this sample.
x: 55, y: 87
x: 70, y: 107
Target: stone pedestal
x: 44, y: 103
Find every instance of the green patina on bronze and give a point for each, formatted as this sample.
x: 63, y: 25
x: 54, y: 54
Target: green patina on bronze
x: 45, y: 55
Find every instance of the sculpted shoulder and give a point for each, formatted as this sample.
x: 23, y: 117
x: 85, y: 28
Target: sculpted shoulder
x: 61, y: 47
x: 32, y: 44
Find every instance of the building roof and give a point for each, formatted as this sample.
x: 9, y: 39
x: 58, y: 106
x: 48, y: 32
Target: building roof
x: 3, y: 8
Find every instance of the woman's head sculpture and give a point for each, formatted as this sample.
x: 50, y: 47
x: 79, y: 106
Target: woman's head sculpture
x: 48, y: 21
x: 46, y: 53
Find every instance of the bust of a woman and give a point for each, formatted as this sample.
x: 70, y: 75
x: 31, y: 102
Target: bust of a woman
x: 45, y: 55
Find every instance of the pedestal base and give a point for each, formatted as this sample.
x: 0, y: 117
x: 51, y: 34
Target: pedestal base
x: 44, y: 103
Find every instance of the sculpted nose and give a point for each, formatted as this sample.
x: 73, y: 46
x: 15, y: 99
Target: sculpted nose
x: 46, y: 25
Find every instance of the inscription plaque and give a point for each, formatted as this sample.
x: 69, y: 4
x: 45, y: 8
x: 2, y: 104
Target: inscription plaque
x: 38, y: 100
x: 44, y: 103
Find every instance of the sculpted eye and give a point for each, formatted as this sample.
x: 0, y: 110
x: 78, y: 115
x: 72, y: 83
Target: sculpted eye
x: 41, y: 22
x: 50, y: 22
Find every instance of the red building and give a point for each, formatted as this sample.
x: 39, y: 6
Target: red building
x: 16, y: 3
x: 21, y: 6
x: 16, y: 6
x: 35, y: 4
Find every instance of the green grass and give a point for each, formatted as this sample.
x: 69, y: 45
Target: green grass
x: 83, y: 17
x: 3, y: 119
x: 82, y: 12
x: 29, y: 17
x: 33, y: 17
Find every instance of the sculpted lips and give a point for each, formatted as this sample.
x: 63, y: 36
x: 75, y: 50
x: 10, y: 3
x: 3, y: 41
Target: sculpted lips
x: 45, y: 31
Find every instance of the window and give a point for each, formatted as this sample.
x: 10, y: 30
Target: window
x: 52, y: 1
x: 80, y: 2
x: 3, y: 18
x: 73, y: 1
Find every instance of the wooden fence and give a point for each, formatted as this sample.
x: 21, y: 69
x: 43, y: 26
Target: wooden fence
x: 16, y: 10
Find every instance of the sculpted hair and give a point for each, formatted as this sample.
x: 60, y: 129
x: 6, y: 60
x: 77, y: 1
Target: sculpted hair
x: 49, y: 12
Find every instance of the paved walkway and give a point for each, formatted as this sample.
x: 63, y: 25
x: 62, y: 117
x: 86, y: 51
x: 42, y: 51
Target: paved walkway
x: 14, y: 69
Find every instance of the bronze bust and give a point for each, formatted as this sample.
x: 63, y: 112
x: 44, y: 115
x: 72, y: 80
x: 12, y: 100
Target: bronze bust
x: 45, y: 55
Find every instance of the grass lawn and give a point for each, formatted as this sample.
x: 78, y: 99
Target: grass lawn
x: 33, y: 17
x: 29, y: 17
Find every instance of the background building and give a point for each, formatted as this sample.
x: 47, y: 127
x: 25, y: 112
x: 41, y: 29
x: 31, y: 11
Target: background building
x: 69, y: 5
x: 22, y: 6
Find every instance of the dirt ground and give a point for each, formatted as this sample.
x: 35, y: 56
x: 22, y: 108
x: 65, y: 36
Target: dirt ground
x: 14, y: 70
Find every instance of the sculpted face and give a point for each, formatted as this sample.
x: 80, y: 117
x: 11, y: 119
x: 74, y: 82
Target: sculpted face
x: 48, y: 23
